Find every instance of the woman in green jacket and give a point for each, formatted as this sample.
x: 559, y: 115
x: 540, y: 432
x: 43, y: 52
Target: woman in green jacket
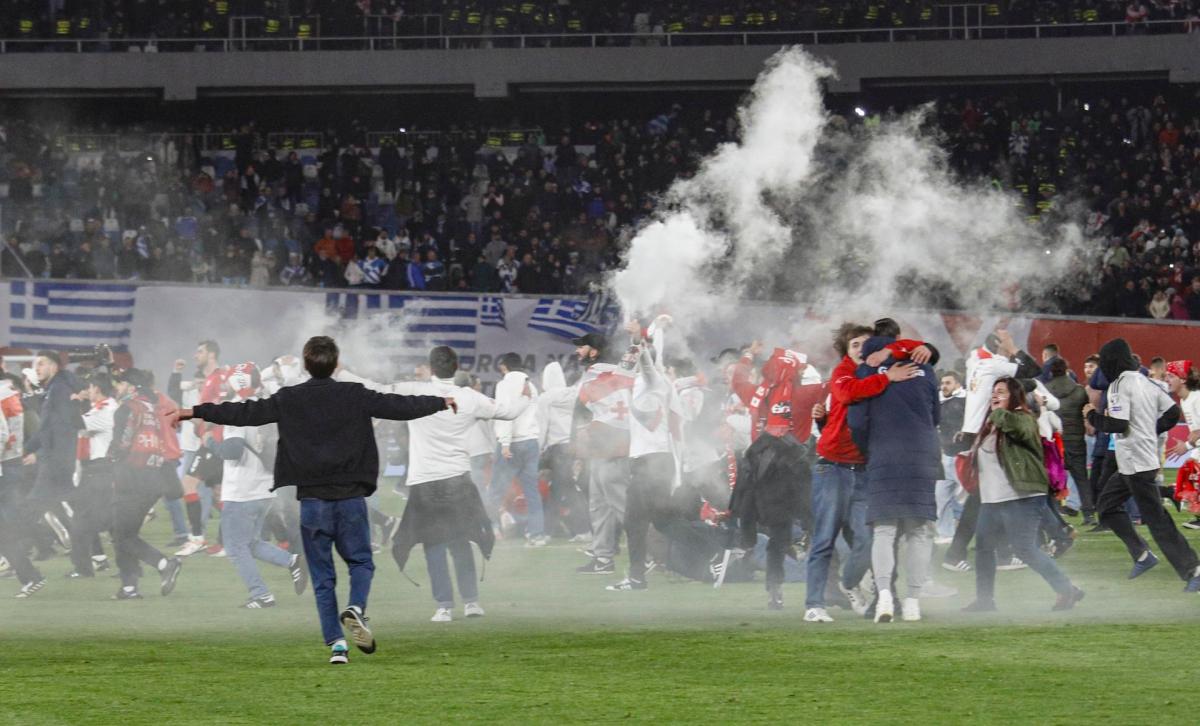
x: 1012, y: 492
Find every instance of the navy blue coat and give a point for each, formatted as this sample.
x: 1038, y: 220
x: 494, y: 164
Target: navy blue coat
x: 904, y: 455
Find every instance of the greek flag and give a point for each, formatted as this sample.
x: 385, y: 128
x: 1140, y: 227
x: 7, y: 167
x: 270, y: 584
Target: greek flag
x: 60, y: 315
x: 404, y: 327
x: 491, y: 312
x: 571, y: 318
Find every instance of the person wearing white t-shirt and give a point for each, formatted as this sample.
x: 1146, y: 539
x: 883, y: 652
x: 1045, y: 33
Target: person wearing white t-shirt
x: 445, y: 512
x: 246, y: 493
x: 517, y: 450
x: 1184, y: 383
x: 92, y: 502
x: 1138, y: 411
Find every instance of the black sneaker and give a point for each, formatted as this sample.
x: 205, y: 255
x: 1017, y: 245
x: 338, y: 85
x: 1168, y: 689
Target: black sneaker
x: 980, y: 606
x: 124, y: 594
x: 775, y: 598
x: 354, y: 621
x: 29, y: 588
x: 1194, y: 524
x: 101, y: 565
x: 627, y: 585
x: 299, y: 574
x: 258, y: 603
x: 1100, y: 527
x: 170, y: 574
x: 598, y: 566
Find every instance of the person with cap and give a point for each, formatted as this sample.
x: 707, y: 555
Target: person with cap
x: 445, y: 512
x: 137, y: 454
x: 247, y: 493
x: 601, y: 438
x: 327, y: 450
x: 1184, y: 381
x: 1138, y: 411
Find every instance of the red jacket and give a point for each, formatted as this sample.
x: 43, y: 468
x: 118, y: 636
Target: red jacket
x: 845, y: 389
x: 796, y: 410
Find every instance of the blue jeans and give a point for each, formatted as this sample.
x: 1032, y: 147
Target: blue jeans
x: 839, y: 502
x: 1018, y: 520
x: 439, y: 572
x: 241, y: 535
x: 524, y: 466
x: 343, y: 524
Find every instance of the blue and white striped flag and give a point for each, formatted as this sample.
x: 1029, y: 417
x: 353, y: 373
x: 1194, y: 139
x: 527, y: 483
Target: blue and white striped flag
x: 491, y: 312
x: 59, y: 315
x: 568, y: 318
x: 404, y: 327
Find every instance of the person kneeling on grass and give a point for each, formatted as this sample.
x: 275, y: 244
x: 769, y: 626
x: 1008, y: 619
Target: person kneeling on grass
x: 327, y: 451
x: 1012, y: 492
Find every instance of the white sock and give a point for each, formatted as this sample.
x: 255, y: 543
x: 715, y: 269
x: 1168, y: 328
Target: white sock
x: 162, y: 564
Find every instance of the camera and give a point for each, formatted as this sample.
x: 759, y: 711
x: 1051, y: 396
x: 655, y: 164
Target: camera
x: 100, y: 355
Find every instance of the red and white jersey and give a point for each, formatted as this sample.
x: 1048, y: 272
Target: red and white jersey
x: 13, y: 413
x: 607, y: 391
x: 96, y: 435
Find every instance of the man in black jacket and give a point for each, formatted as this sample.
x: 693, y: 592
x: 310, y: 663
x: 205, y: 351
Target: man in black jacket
x: 52, y: 447
x: 327, y: 451
x: 953, y: 401
x: 1072, y: 397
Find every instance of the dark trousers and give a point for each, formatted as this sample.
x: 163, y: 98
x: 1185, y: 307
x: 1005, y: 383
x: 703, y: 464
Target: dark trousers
x: 51, y: 487
x: 567, y: 509
x: 1016, y: 522
x: 1075, y: 459
x: 93, y: 509
x: 341, y: 524
x: 648, y: 501
x: 965, y: 531
x: 439, y: 572
x: 135, y: 491
x: 13, y: 542
x: 779, y: 542
x: 1143, y: 487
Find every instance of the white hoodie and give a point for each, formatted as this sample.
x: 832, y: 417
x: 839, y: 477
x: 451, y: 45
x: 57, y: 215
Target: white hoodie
x: 524, y: 427
x: 437, y: 444
x: 555, y: 412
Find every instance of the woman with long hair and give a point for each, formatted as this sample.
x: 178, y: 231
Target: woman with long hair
x: 1013, y: 485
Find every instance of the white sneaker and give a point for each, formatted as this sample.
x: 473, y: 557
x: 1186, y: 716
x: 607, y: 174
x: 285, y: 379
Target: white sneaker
x: 817, y: 615
x: 936, y: 590
x: 885, y: 607
x: 858, y: 603
x: 911, y: 612
x: 1013, y: 564
x: 442, y: 615
x: 192, y: 546
x: 472, y: 610
x: 540, y: 541
x: 581, y: 538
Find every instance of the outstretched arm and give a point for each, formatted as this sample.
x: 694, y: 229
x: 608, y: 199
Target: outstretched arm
x: 245, y: 413
x: 404, y: 408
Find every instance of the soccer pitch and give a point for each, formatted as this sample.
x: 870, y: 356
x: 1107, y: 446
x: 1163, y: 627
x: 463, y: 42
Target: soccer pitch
x: 555, y: 647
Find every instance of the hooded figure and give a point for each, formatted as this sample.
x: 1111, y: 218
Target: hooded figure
x: 904, y: 451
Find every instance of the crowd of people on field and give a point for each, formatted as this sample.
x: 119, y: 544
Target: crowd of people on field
x: 713, y: 469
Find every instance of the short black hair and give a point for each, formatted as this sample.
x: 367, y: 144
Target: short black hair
x: 511, y: 361
x: 950, y: 374
x: 887, y: 328
x: 1158, y: 360
x: 320, y: 356
x: 1093, y: 358
x: 52, y: 355
x: 1058, y: 367
x: 210, y: 346
x: 443, y: 361
x: 101, y: 381
x: 1052, y: 347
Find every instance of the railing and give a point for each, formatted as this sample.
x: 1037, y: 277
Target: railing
x: 965, y: 31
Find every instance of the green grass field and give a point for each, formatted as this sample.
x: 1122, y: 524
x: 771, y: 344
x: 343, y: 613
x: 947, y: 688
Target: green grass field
x: 555, y: 647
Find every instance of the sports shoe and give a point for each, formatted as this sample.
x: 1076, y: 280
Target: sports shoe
x: 718, y: 566
x: 775, y: 598
x: 258, y: 603
x: 29, y: 588
x: 980, y: 606
x: 389, y: 530
x: 170, y: 574
x: 100, y: 565
x: 149, y: 517
x: 1066, y: 601
x: 885, y: 607
x: 354, y: 621
x: 193, y: 545
x: 178, y: 541
x: 442, y: 615
x: 1100, y: 527
x: 339, y: 654
x: 910, y: 611
x: 960, y: 566
x: 1144, y: 565
x: 299, y: 574
x: 1013, y: 564
x: 817, y: 615
x: 627, y: 585
x: 1193, y: 583
x: 215, y: 550
x: 598, y: 566
x: 127, y: 594
x: 1061, y: 546
x: 581, y: 538
x: 472, y: 610
x: 1194, y: 524
x: 539, y: 541
x: 60, y: 530
x: 858, y: 603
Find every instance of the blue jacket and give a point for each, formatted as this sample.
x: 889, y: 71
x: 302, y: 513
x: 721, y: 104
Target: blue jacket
x: 904, y: 455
